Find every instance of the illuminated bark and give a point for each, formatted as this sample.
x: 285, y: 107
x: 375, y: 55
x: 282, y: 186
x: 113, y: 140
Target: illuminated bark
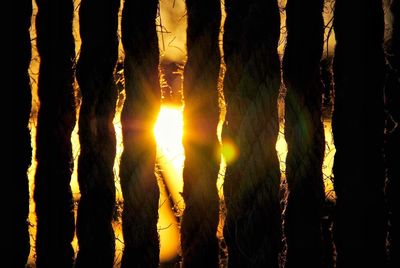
x: 392, y: 93
x: 56, y: 120
x: 17, y: 231
x: 251, y: 87
x: 142, y: 104
x: 201, y: 113
x: 304, y: 133
x: 95, y: 74
x: 358, y: 128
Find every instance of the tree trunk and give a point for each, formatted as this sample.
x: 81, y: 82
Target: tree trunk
x: 304, y: 133
x: 18, y: 251
x: 56, y: 120
x: 95, y: 74
x: 251, y: 87
x: 392, y: 93
x: 201, y: 114
x: 142, y: 104
x: 358, y: 128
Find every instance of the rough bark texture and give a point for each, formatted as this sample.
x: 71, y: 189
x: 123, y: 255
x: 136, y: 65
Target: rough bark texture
x: 251, y: 87
x: 142, y: 104
x: 201, y: 113
x: 392, y: 92
x: 304, y: 133
x: 18, y: 250
x: 358, y: 128
x: 95, y: 74
x: 56, y: 120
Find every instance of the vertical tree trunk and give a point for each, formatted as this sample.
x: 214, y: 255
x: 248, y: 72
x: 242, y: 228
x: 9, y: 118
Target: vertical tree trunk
x: 56, y: 120
x: 95, y: 74
x: 304, y: 133
x: 358, y: 128
x: 392, y: 92
x: 251, y: 87
x: 201, y: 114
x: 142, y: 104
x: 22, y: 151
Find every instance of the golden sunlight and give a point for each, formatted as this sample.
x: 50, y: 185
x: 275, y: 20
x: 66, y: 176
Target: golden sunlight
x: 170, y: 153
x: 169, y: 128
x: 170, y: 156
x: 168, y: 132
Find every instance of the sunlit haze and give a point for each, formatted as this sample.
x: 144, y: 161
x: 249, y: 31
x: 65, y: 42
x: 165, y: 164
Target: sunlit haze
x: 170, y: 154
x: 168, y: 130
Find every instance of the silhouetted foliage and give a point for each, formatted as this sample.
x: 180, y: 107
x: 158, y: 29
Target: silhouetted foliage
x: 56, y: 120
x: 304, y: 133
x: 17, y: 226
x: 171, y: 85
x: 95, y: 74
x: 142, y: 104
x: 251, y: 87
x: 358, y: 128
x: 201, y: 115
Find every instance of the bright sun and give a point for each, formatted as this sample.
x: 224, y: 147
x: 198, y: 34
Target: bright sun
x: 168, y: 129
x: 170, y: 153
x: 170, y: 157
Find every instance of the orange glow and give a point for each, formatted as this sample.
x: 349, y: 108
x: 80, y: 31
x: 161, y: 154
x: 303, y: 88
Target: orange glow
x: 328, y: 161
x: 170, y: 157
x: 167, y: 226
x: 170, y: 153
x: 168, y: 131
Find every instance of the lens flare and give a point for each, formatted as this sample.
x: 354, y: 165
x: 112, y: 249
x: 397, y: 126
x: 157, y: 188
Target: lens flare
x: 229, y: 151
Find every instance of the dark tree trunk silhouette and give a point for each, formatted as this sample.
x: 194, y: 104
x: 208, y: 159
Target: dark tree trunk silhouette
x: 18, y: 250
x: 142, y: 104
x: 201, y: 114
x: 251, y: 87
x: 358, y: 128
x: 392, y: 93
x: 304, y: 133
x: 56, y: 120
x: 95, y: 74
